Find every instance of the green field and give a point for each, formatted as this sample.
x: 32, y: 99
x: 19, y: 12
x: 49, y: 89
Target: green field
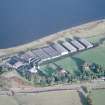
x: 48, y: 98
x: 68, y: 64
x: 73, y: 63
x: 96, y: 55
x: 98, y: 97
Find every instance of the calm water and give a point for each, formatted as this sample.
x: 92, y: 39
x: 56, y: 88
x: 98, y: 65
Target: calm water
x: 22, y: 21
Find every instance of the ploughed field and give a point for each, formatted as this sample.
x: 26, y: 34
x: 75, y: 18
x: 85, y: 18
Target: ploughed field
x: 67, y: 97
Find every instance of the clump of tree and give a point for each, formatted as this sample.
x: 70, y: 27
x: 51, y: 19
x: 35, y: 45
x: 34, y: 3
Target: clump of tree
x: 4, y: 69
x: 85, y: 89
x: 89, y: 100
x: 4, y: 83
x: 92, y: 71
x: 1, y: 70
x: 60, y: 75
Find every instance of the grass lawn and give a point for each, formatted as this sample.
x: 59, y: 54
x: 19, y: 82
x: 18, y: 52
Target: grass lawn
x: 48, y: 98
x: 73, y: 63
x: 95, y: 39
x: 68, y: 64
x: 48, y: 69
x: 98, y: 97
x: 96, y: 55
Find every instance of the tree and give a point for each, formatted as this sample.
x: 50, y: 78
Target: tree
x: 86, y: 72
x: 89, y: 99
x: 37, y: 78
x: 1, y: 70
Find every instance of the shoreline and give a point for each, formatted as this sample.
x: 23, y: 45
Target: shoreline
x: 90, y: 29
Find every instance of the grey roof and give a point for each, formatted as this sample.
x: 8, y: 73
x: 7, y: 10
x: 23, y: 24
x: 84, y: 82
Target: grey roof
x: 40, y: 53
x: 69, y: 46
x: 50, y: 51
x: 60, y: 49
x: 27, y: 56
x: 85, y: 42
x: 18, y: 64
x: 77, y: 44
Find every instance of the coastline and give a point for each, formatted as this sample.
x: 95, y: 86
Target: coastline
x: 90, y: 29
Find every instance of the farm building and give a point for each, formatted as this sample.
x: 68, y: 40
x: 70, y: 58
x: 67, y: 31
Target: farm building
x: 14, y: 62
x: 77, y: 44
x: 41, y: 54
x: 33, y: 70
x: 50, y: 51
x: 86, y: 43
x: 18, y: 64
x: 28, y: 57
x: 60, y: 49
x: 69, y: 47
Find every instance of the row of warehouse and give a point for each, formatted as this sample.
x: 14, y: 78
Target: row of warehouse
x: 49, y: 52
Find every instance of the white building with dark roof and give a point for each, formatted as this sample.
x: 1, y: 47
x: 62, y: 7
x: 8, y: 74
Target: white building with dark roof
x: 14, y: 63
x: 33, y: 70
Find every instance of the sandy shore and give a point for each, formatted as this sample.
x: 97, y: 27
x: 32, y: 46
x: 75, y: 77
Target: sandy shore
x: 86, y: 30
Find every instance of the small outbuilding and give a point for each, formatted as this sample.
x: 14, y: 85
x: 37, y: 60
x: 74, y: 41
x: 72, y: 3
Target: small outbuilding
x: 33, y: 70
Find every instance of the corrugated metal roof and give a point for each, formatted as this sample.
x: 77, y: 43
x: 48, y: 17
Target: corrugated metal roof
x: 86, y: 43
x: 69, y: 46
x: 40, y: 53
x: 59, y: 48
x: 50, y: 51
x: 77, y: 44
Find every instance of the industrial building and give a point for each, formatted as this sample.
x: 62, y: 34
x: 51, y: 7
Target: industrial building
x: 86, y: 43
x: 69, y: 47
x: 14, y: 62
x: 60, y: 49
x: 39, y: 55
x: 28, y: 57
x: 50, y: 51
x: 77, y: 44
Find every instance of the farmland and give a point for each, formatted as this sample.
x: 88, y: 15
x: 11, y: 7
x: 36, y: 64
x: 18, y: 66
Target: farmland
x: 72, y: 63
x: 98, y: 97
x: 67, y: 97
x: 94, y: 55
x: 62, y: 70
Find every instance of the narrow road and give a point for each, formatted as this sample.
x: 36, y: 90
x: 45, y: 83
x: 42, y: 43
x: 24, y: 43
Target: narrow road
x: 93, y: 84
